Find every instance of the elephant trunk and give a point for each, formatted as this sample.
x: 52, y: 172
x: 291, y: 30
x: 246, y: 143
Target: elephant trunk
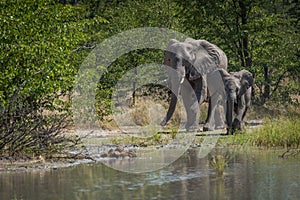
x: 171, y: 109
x: 175, y: 87
x: 229, y: 114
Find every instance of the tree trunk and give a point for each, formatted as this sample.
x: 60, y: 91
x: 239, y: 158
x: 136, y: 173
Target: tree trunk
x: 246, y: 60
x: 267, y: 89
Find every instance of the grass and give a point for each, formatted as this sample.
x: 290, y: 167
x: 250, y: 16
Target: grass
x: 281, y: 126
x: 282, y: 132
x: 156, y: 139
x: 144, y: 112
x: 219, y: 163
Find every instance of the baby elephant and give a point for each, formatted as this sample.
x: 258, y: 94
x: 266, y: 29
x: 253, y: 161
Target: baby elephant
x: 238, y: 88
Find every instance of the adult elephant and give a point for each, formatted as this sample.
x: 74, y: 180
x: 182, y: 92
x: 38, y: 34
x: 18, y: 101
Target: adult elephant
x: 238, y: 87
x: 190, y: 62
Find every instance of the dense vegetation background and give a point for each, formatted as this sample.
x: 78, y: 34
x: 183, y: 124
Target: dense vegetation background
x: 43, y: 44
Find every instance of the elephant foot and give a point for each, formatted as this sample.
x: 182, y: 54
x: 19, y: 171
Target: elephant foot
x: 230, y: 131
x: 243, y: 125
x: 163, y: 123
x: 206, y: 128
x: 237, y: 124
x: 192, y: 129
x: 220, y: 127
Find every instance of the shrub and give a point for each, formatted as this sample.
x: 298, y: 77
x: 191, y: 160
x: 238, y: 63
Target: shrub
x: 284, y: 132
x: 40, y: 52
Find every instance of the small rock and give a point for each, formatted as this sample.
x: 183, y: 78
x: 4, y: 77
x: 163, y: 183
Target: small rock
x: 104, y: 155
x: 123, y: 153
x: 115, y: 154
x: 119, y: 152
x: 110, y: 151
x: 132, y: 154
x: 119, y: 149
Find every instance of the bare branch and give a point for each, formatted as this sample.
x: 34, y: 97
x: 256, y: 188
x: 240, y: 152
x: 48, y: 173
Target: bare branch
x: 83, y: 47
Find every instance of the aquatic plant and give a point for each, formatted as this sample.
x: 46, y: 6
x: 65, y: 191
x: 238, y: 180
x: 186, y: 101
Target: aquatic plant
x: 218, y: 163
x: 157, y: 137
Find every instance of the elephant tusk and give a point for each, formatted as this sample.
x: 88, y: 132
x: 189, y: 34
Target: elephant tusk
x: 182, y: 79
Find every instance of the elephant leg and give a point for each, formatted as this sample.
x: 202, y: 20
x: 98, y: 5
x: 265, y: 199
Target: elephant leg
x: 208, y: 110
x: 237, y: 123
x: 201, y: 89
x: 198, y: 90
x: 219, y: 116
x: 208, y: 117
x: 242, y: 122
x: 244, y: 114
x: 191, y: 106
x: 247, y: 102
x: 229, y: 115
x: 210, y: 123
x: 216, y: 92
x: 215, y: 116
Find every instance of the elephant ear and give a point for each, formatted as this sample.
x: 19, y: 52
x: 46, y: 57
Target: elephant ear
x: 237, y: 75
x: 237, y: 83
x: 207, y: 56
x: 171, y: 44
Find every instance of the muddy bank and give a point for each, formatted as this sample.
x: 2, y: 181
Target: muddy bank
x: 31, y: 164
x: 101, y: 144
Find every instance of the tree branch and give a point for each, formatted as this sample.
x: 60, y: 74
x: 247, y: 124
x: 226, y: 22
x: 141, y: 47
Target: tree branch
x: 83, y: 47
x: 278, y: 81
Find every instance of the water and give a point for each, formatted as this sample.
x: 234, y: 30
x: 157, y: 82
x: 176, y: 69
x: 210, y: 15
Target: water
x: 252, y: 175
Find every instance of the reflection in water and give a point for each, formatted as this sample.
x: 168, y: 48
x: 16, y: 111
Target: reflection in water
x: 249, y: 176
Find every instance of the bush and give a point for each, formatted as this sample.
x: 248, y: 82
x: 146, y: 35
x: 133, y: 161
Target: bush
x: 40, y: 54
x: 31, y: 127
x: 284, y: 132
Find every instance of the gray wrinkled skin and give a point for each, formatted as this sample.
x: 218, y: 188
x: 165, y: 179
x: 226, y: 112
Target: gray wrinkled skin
x: 192, y: 60
x: 238, y: 88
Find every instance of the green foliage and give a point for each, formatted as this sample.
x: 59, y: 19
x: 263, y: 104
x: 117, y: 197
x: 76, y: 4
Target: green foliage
x: 39, y: 58
x: 275, y: 133
x: 259, y: 35
x: 130, y: 14
x: 117, y: 69
x: 126, y: 15
x: 43, y: 44
x: 37, y: 42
